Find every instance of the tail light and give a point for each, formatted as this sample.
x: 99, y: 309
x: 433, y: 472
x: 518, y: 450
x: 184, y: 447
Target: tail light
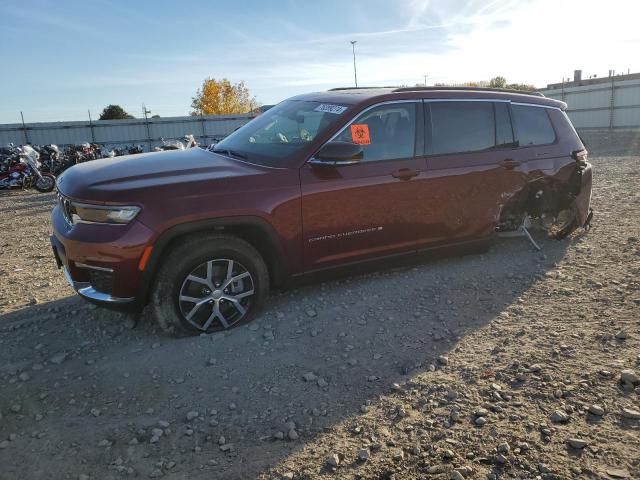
x: 580, y: 156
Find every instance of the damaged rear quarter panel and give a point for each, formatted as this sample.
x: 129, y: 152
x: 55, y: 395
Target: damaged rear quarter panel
x: 554, y: 180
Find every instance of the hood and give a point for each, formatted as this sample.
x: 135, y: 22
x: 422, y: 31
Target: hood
x: 113, y: 179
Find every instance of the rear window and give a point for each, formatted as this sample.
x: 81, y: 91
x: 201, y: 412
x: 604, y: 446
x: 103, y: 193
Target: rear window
x: 462, y: 127
x: 532, y: 125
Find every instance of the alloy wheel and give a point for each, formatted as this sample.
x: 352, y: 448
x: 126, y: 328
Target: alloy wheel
x: 216, y: 294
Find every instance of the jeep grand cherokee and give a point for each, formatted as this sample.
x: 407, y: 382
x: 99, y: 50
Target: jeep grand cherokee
x: 319, y: 181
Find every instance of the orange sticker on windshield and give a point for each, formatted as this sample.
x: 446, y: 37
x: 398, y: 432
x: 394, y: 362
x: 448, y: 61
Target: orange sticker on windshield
x: 360, y: 134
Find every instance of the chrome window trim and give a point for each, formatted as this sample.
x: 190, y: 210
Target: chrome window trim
x: 535, y: 105
x: 490, y: 100
x: 312, y: 160
x: 430, y: 100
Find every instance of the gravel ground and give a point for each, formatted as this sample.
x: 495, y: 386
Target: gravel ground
x: 503, y: 365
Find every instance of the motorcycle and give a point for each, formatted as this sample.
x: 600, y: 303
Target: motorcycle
x: 189, y: 142
x: 135, y: 149
x: 50, y: 159
x: 23, y: 171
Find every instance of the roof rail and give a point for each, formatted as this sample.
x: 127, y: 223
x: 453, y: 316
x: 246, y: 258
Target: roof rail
x: 473, y: 89
x: 337, y: 89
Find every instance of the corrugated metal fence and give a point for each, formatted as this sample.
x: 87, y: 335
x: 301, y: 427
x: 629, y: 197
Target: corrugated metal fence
x: 613, y: 103
x: 147, y: 132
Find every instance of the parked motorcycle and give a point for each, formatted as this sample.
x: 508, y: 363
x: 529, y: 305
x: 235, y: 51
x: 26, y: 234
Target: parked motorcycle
x: 189, y: 142
x: 127, y: 150
x: 22, y: 170
x: 50, y: 159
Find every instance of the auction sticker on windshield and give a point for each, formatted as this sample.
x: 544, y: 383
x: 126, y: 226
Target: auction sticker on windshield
x: 328, y: 108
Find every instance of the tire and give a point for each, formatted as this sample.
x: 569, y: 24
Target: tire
x: 46, y: 183
x: 194, y: 270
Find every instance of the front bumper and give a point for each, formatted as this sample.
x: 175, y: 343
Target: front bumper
x: 101, y: 262
x: 86, y: 290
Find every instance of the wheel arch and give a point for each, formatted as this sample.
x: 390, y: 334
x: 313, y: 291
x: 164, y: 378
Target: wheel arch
x: 254, y: 230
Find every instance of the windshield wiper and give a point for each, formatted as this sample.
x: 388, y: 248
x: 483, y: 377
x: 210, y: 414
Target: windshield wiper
x: 230, y: 153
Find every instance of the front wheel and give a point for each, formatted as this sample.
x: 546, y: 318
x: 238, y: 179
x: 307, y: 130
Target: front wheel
x: 45, y: 183
x: 209, y: 283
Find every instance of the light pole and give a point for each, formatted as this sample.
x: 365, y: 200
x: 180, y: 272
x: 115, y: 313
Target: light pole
x: 355, y: 73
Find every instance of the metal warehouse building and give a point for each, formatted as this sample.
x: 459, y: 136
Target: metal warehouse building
x: 608, y: 102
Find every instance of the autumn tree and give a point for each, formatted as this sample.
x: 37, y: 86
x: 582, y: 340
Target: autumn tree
x: 498, y: 82
x: 114, y: 112
x: 501, y: 82
x: 221, y: 97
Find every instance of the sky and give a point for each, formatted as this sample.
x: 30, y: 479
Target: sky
x: 62, y: 58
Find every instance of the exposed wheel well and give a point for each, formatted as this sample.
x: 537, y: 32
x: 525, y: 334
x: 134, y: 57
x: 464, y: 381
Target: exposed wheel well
x: 537, y: 199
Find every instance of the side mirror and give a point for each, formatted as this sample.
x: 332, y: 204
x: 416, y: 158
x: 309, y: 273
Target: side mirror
x: 338, y: 153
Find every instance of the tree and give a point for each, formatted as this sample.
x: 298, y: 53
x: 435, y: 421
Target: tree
x: 522, y: 86
x: 221, y: 97
x: 114, y: 112
x: 498, y: 82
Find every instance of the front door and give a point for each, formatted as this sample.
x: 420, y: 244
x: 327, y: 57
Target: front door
x: 372, y: 208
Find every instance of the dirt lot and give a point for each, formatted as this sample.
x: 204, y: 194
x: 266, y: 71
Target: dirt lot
x: 503, y: 365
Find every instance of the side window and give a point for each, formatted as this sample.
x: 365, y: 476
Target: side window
x: 391, y: 132
x: 504, y: 131
x: 532, y: 125
x: 461, y: 127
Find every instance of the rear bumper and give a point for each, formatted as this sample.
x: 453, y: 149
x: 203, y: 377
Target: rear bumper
x: 100, y: 262
x: 583, y: 197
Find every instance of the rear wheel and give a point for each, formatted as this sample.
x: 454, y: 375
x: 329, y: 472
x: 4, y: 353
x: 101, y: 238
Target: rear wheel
x: 209, y: 283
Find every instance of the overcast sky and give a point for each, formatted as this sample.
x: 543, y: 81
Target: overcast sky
x: 61, y: 58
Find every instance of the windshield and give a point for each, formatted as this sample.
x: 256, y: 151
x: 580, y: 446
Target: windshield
x: 281, y: 132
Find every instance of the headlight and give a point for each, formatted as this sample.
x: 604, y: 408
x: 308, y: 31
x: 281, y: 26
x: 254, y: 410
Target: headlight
x: 83, y: 213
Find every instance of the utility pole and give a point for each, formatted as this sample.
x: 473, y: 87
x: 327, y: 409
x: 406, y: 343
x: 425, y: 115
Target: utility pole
x: 355, y: 73
x: 146, y: 121
x: 425, y: 80
x: 93, y: 137
x: 24, y: 129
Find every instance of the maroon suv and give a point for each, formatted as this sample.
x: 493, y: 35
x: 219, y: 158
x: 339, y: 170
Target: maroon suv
x: 319, y: 181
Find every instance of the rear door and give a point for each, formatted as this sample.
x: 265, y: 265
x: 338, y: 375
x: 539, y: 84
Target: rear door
x: 372, y: 208
x: 473, y: 167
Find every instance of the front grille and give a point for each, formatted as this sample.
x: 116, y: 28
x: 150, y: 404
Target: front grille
x: 100, y: 281
x: 65, y: 207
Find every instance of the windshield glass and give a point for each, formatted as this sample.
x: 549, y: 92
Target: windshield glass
x: 281, y: 132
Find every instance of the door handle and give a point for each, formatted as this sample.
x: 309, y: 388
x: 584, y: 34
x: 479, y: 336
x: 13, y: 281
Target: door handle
x: 509, y: 163
x: 405, y: 174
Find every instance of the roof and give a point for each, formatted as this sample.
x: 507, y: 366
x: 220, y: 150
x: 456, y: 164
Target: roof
x: 369, y: 95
